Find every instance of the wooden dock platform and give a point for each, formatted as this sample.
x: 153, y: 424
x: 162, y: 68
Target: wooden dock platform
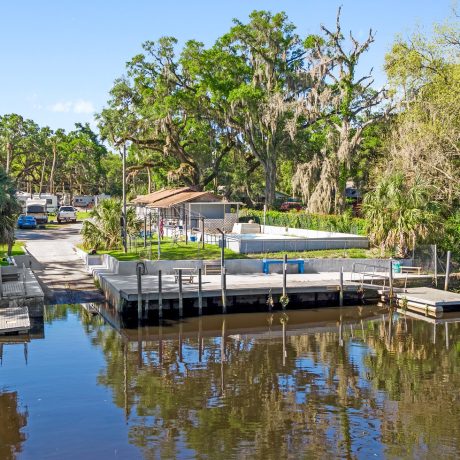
x: 14, y: 319
x: 426, y: 300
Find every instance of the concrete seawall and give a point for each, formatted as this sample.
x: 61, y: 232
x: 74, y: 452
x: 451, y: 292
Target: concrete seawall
x: 234, y: 266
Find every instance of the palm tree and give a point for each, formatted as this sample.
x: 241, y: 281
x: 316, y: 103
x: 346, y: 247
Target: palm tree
x: 9, y: 208
x: 103, y: 230
x: 401, y: 211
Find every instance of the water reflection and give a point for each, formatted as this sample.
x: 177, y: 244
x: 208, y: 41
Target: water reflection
x: 343, y: 382
x: 354, y: 382
x: 11, y: 435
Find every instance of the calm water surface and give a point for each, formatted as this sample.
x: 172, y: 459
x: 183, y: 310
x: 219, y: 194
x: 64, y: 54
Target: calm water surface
x: 348, y: 383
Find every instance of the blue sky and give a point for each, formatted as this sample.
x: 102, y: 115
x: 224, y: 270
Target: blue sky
x: 59, y: 58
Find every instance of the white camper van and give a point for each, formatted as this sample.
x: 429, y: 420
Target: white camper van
x: 52, y: 202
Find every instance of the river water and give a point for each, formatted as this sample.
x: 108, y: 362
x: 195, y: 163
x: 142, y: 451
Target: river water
x: 356, y: 382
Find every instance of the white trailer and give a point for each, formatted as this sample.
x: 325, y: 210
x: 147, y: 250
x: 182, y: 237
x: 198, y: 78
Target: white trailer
x: 52, y: 201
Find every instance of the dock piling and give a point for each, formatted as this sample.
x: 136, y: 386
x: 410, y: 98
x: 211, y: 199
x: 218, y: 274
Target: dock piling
x: 160, y: 296
x: 224, y: 290
x: 181, y: 299
x: 390, y: 281
x: 139, y: 291
x: 446, y: 281
x: 341, y: 288
x: 200, y: 292
x: 284, y: 275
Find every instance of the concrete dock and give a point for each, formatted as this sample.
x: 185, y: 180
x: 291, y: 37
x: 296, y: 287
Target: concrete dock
x: 250, y: 288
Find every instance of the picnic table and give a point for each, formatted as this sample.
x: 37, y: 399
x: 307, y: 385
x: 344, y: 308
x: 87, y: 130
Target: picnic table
x: 187, y: 274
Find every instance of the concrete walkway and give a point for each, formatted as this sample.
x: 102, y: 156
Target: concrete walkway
x: 61, y: 272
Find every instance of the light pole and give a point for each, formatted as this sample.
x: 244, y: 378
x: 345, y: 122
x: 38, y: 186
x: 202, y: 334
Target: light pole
x: 123, y: 158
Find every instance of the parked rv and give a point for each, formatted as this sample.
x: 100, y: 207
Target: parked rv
x: 52, y: 202
x: 22, y: 198
x: 83, y: 201
x: 37, y: 209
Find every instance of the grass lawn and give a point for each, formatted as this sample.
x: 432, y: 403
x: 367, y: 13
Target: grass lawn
x: 18, y: 249
x: 182, y: 251
x: 82, y: 215
x: 174, y: 251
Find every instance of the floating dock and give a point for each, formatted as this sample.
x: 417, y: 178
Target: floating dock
x: 426, y: 300
x: 14, y: 320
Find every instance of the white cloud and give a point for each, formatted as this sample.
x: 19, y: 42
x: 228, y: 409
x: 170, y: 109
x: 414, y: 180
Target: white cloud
x: 61, y: 107
x: 82, y: 106
x: 78, y: 106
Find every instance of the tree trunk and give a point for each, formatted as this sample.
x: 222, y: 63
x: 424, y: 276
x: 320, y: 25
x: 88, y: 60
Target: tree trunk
x: 53, y: 165
x: 149, y: 175
x: 42, y: 177
x: 9, y: 156
x: 270, y: 182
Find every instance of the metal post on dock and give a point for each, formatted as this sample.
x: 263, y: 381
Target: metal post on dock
x: 200, y: 292
x: 139, y: 291
x: 160, y: 296
x: 446, y: 281
x: 341, y: 288
x: 181, y: 300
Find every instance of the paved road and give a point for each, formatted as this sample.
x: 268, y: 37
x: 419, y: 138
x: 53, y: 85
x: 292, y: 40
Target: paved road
x: 60, y: 271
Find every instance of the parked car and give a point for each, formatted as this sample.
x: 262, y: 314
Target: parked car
x: 26, y: 221
x: 67, y: 214
x: 289, y: 205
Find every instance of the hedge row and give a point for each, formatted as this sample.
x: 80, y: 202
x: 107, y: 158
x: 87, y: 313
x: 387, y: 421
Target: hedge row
x: 343, y: 223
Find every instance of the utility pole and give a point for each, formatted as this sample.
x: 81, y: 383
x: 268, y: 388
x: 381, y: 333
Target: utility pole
x: 123, y: 157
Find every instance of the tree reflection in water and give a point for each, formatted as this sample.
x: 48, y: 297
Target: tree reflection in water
x: 13, y: 421
x: 348, y: 388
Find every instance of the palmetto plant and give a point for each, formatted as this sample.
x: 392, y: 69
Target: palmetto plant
x: 400, y: 212
x: 103, y: 230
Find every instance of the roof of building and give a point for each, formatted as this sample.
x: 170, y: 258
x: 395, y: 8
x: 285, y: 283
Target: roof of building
x: 184, y: 197
x: 159, y: 195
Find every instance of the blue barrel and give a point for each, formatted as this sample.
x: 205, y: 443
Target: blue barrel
x: 396, y: 266
x: 192, y: 238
